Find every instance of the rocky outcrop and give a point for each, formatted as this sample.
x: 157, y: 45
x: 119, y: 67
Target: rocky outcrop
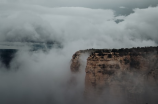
x: 121, y: 75
x: 75, y: 59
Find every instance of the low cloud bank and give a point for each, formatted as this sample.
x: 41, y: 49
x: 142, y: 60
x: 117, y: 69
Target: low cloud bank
x: 39, y: 77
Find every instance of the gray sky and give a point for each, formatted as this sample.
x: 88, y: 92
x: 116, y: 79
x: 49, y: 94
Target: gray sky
x: 95, y: 4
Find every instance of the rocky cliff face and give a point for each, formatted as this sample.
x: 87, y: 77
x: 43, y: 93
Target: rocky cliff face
x: 121, y: 75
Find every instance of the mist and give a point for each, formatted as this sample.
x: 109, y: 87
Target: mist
x: 45, y: 77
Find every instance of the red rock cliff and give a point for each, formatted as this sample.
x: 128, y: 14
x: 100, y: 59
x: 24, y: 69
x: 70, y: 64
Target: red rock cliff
x: 121, y: 75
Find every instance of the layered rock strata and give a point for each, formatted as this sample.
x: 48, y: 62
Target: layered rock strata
x: 121, y: 75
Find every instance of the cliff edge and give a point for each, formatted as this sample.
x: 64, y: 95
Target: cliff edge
x: 120, y: 75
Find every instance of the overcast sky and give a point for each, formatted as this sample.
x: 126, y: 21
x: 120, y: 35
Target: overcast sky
x: 96, y: 4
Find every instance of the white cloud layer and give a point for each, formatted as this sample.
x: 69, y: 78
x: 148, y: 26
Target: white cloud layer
x: 95, y: 28
x: 44, y: 75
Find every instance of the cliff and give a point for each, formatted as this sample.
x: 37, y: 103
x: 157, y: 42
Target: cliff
x: 120, y: 75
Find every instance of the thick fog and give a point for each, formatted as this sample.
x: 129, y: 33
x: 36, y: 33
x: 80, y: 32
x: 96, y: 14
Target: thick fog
x: 45, y: 77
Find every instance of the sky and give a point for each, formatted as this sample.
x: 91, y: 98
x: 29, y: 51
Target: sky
x: 39, y: 77
x: 94, y: 4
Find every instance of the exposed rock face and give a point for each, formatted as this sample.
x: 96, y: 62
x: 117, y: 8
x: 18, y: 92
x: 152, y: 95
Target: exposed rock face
x: 126, y: 76
x: 75, y: 62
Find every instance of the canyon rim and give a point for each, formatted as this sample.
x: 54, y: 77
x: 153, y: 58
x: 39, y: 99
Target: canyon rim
x: 120, y: 76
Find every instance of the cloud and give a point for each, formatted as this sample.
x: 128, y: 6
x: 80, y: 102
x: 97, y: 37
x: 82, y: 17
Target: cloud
x: 40, y: 77
x: 141, y: 25
x: 82, y: 3
x: 122, y: 7
x: 95, y: 4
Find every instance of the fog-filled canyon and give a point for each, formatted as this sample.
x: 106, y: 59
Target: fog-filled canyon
x: 45, y: 76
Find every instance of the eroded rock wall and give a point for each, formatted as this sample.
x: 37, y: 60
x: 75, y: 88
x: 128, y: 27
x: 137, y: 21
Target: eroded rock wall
x: 121, y: 75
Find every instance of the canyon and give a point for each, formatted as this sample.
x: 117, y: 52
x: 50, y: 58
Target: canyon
x: 120, y: 76
x: 112, y: 76
x: 8, y: 50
